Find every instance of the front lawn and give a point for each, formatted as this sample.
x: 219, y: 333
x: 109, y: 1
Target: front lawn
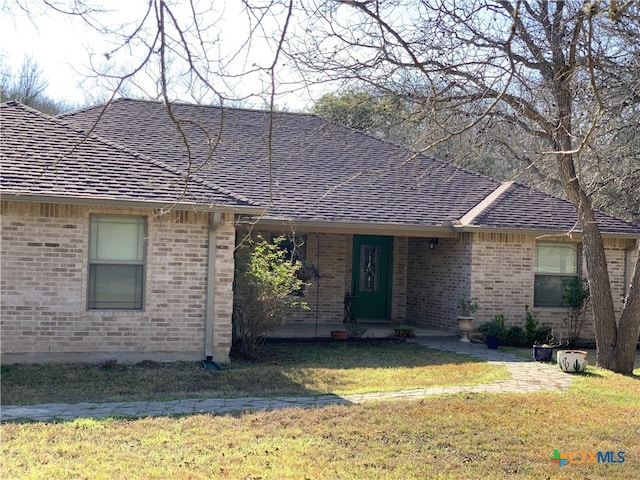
x: 491, y: 436
x: 467, y: 436
x: 286, y: 369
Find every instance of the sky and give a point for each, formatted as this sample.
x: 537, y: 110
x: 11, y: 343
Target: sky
x: 55, y: 42
x: 61, y: 46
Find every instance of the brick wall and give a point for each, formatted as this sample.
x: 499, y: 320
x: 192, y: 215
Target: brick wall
x: 437, y: 278
x: 225, y: 237
x: 502, y: 276
x: 44, y: 288
x: 399, y: 280
x: 503, y: 279
x: 334, y: 265
x: 497, y: 271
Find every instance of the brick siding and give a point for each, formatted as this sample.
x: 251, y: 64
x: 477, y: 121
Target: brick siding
x: 497, y: 271
x: 399, y: 280
x: 437, y: 278
x: 44, y: 288
x: 44, y: 284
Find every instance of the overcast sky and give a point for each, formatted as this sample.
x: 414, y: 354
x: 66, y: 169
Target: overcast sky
x: 61, y: 46
x: 56, y: 43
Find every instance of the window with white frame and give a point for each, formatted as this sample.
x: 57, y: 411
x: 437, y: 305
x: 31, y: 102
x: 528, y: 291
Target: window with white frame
x: 555, y: 263
x: 116, y: 262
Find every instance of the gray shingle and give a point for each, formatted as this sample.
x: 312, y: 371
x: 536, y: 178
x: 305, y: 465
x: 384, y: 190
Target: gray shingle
x: 521, y: 207
x: 312, y: 170
x: 43, y: 156
x: 320, y: 171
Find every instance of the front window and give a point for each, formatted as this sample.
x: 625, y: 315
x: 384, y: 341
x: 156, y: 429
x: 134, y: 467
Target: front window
x: 555, y: 263
x: 116, y: 262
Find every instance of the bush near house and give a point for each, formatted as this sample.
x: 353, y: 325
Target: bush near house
x: 536, y: 333
x: 494, y: 328
x: 516, y: 336
x: 265, y: 285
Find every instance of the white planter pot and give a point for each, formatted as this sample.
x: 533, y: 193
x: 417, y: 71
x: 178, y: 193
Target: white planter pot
x: 466, y: 327
x: 572, y: 361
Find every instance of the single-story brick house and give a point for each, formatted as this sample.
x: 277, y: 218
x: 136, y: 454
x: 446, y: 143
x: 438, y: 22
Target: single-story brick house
x: 120, y: 221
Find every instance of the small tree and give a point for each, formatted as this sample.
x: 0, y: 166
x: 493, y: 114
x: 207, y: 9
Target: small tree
x: 576, y: 295
x: 265, y: 282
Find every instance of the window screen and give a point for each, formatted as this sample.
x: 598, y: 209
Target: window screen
x: 116, y: 262
x: 555, y: 263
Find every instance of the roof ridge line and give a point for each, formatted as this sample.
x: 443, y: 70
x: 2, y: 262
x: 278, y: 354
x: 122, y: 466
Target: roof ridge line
x: 185, y: 103
x: 485, y: 203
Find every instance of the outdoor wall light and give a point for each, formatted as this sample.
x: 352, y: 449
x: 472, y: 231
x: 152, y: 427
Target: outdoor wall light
x: 432, y: 243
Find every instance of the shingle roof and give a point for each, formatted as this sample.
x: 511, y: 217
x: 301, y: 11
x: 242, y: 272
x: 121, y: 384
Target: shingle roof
x: 320, y: 171
x: 308, y: 169
x: 42, y: 156
x: 521, y: 207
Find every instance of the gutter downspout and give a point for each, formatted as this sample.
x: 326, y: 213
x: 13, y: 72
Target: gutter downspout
x: 216, y: 219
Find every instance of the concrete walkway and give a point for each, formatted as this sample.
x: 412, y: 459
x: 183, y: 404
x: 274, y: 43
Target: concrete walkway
x: 527, y: 376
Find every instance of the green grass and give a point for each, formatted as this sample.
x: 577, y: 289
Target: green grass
x: 286, y: 369
x: 466, y: 436
x: 454, y: 437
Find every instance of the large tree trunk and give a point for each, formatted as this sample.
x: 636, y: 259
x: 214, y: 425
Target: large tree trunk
x: 629, y: 326
x: 615, y: 346
x: 599, y: 287
x: 616, y: 343
x: 609, y: 343
x: 596, y: 261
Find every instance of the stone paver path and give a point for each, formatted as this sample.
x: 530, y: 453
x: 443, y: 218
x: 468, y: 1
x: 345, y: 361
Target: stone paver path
x: 527, y: 376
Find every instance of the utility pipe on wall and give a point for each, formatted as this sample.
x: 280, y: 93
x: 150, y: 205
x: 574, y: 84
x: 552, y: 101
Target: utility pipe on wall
x: 214, y: 223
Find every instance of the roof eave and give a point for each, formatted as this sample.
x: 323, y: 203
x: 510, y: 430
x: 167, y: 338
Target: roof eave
x: 305, y: 226
x: 539, y: 232
x: 108, y: 202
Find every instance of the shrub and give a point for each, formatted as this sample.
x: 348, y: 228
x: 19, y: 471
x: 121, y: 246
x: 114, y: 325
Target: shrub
x: 516, y: 337
x: 466, y: 307
x: 264, y: 293
x: 535, y: 333
x: 513, y: 336
x: 404, y: 331
x: 576, y: 295
x: 494, y: 328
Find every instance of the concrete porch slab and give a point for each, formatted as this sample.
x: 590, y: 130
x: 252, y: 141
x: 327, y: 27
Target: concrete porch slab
x: 373, y: 330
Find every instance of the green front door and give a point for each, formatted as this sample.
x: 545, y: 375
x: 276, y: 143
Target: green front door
x: 371, y: 276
